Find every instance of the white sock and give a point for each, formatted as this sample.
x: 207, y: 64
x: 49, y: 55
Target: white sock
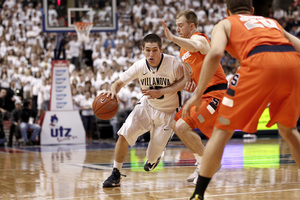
x: 198, y: 158
x: 118, y: 165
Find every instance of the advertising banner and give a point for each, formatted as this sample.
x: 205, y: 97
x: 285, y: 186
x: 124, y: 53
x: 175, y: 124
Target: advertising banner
x: 62, y: 124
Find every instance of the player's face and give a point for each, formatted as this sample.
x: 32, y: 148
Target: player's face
x: 183, y: 28
x: 153, y: 53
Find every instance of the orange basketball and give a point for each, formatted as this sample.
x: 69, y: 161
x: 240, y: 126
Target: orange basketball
x: 105, y: 107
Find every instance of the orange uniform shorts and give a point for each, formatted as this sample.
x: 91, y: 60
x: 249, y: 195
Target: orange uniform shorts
x: 264, y: 80
x: 207, y: 114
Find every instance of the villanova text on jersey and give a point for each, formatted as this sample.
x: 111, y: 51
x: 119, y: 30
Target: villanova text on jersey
x: 155, y: 81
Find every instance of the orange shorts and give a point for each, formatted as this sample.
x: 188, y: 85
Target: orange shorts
x: 264, y: 79
x: 207, y: 114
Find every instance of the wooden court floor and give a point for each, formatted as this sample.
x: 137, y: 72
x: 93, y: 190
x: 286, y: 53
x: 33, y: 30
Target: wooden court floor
x: 259, y: 169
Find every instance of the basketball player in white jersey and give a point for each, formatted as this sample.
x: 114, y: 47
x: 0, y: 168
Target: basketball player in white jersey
x: 156, y: 70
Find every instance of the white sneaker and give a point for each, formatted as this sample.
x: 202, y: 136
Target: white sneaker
x: 196, y: 178
x: 195, y: 181
x: 149, y: 167
x: 195, y: 174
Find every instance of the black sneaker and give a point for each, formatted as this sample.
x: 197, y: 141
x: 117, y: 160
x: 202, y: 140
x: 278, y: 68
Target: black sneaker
x: 114, y: 179
x: 149, y: 167
x: 196, y: 197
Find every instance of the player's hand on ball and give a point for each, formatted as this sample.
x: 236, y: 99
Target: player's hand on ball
x: 104, y: 107
x: 110, y: 93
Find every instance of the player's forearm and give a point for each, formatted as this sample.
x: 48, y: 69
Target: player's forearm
x: 209, y: 67
x: 177, y: 86
x: 116, y: 86
x: 187, y: 44
x: 293, y: 40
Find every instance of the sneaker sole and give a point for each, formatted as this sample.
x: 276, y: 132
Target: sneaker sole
x: 111, y: 185
x: 192, y: 177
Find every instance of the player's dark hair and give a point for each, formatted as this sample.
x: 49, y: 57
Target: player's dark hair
x: 190, y: 16
x: 152, y: 38
x: 238, y: 6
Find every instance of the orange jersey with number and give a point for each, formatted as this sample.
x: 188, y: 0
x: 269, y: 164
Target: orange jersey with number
x: 246, y: 34
x: 194, y: 60
x: 268, y: 76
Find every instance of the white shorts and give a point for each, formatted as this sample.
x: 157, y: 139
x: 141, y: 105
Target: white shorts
x: 145, y: 118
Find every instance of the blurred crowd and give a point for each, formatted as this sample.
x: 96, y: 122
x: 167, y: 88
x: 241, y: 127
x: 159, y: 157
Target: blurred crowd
x: 26, y: 51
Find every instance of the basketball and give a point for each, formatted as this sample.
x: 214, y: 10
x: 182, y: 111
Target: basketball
x: 105, y: 107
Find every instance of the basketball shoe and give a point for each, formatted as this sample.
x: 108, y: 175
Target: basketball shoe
x: 195, y: 174
x: 149, y: 167
x: 114, y: 179
x: 196, y: 197
x: 195, y: 180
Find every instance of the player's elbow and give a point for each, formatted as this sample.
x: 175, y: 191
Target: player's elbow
x: 216, y: 54
x: 200, y: 47
x: 204, y: 51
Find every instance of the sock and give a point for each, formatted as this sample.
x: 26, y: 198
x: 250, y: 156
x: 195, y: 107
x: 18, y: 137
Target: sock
x: 198, y: 158
x: 118, y: 165
x: 201, y: 186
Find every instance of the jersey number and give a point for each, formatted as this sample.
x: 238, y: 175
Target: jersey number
x: 156, y: 88
x: 260, y: 23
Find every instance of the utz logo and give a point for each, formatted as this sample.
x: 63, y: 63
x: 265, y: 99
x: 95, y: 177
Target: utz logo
x: 53, y: 120
x: 59, y: 131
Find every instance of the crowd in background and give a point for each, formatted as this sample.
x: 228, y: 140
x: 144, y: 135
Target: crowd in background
x: 26, y: 51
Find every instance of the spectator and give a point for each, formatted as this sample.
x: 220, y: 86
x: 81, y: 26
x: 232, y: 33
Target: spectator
x: 26, y: 80
x: 87, y: 115
x: 14, y: 127
x: 137, y: 10
x: 44, y: 97
x: 76, y: 102
x: 5, y: 79
x: 35, y: 88
x: 109, y: 42
x: 75, y: 47
x: 93, y: 91
x: 27, y: 121
x: 3, y: 112
x: 52, y: 12
x: 88, y: 51
x: 279, y: 13
x: 10, y: 97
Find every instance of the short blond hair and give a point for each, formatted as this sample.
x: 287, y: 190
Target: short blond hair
x: 190, y: 16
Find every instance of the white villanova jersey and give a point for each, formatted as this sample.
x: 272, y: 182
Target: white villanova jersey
x: 168, y: 71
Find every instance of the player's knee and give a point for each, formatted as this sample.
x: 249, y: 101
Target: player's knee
x: 181, y: 127
x: 122, y: 140
x: 286, y: 132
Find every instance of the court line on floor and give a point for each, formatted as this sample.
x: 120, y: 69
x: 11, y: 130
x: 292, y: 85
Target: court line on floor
x: 220, y: 195
x: 233, y: 194
x: 164, y: 191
